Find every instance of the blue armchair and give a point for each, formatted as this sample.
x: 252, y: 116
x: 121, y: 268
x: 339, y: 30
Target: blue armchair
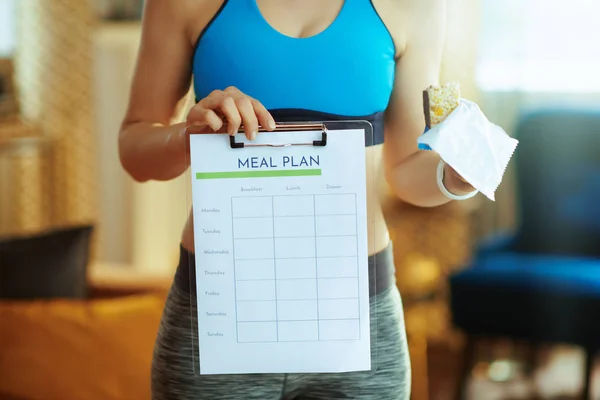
x: 542, y: 283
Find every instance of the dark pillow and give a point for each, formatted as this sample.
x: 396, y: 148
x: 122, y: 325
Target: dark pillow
x: 49, y: 265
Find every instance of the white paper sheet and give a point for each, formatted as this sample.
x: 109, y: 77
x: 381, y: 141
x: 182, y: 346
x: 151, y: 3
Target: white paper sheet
x: 282, y: 257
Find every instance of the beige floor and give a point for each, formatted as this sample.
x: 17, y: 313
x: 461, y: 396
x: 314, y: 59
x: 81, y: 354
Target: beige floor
x: 559, y: 377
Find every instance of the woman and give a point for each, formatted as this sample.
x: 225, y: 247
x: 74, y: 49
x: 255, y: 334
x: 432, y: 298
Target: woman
x: 257, y: 61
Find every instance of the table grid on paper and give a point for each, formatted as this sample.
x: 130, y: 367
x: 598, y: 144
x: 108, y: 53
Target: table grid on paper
x: 296, y: 268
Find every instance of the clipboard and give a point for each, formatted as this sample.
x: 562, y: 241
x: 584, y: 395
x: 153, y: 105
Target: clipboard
x: 294, y: 279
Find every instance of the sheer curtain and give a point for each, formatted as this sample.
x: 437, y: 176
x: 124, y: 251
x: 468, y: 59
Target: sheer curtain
x: 539, y: 46
x: 7, y: 28
x: 533, y: 54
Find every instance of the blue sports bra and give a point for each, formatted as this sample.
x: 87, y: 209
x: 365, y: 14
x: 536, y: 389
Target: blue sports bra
x: 344, y: 72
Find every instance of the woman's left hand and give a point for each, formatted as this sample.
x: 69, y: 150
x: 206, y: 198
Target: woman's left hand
x: 455, y: 183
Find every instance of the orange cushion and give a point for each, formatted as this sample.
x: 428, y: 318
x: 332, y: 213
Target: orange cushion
x: 88, y: 350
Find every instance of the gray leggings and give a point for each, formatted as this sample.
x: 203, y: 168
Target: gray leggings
x: 175, y: 355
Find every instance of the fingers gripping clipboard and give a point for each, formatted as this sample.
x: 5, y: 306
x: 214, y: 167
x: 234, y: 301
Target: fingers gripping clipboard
x: 281, y: 257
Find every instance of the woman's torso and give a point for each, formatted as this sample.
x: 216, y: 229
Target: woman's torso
x: 330, y: 60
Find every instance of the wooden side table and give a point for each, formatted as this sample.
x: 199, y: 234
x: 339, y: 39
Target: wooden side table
x: 113, y: 280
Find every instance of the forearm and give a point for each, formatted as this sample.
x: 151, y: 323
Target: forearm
x: 415, y: 180
x: 152, y: 151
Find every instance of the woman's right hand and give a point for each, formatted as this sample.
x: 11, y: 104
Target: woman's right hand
x: 228, y: 110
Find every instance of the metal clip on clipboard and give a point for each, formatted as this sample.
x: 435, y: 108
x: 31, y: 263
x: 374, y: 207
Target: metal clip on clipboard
x: 293, y: 127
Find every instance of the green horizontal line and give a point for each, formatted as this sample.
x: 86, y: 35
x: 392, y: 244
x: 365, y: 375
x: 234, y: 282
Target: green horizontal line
x: 259, y: 174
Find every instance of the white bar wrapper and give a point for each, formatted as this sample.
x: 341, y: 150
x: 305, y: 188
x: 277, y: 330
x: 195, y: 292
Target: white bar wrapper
x: 477, y: 149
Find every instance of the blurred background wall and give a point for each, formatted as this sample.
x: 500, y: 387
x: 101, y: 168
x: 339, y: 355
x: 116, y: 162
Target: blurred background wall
x: 59, y: 119
x: 139, y: 225
x: 72, y: 72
